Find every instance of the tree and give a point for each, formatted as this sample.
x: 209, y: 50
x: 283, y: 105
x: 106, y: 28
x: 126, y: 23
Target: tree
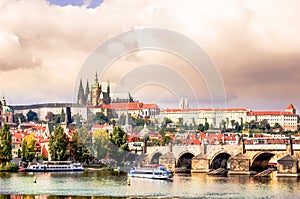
x: 165, y: 122
x: 118, y: 145
x: 62, y: 115
x: 77, y: 119
x: 165, y: 139
x: 78, y: 151
x: 58, y: 145
x: 5, y: 144
x: 101, y: 143
x: 32, y: 116
x: 86, y: 139
x: 201, y: 127
x: 232, y: 122
x: 28, y: 152
x: 98, y: 118
x: 206, y: 126
x: 19, y: 117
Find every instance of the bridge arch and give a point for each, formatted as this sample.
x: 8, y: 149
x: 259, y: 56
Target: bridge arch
x: 219, y: 160
x: 184, y: 159
x: 155, y: 157
x: 260, y: 161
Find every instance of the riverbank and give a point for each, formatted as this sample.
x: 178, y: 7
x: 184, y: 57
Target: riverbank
x: 9, y: 168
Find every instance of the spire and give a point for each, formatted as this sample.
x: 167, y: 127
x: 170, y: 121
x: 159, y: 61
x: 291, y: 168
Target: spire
x: 80, y: 97
x: 80, y: 84
x: 96, y: 83
x: 3, y: 101
x: 87, y: 88
x: 108, y: 87
x: 87, y: 92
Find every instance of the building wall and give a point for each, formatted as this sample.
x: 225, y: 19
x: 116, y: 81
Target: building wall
x: 55, y: 108
x: 287, y: 121
x: 213, y: 117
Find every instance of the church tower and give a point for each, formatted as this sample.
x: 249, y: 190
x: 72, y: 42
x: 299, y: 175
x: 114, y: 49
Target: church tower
x: 87, y: 92
x: 95, y: 92
x: 290, y: 109
x: 80, y: 97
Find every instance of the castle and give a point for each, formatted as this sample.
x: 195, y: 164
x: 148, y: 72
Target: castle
x: 94, y: 97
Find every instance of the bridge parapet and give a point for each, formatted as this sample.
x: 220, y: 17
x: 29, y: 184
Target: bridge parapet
x: 268, y: 147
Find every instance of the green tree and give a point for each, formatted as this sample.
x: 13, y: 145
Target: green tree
x: 19, y: 116
x: 86, y: 139
x: 165, y: 139
x: 62, y: 115
x: 32, y: 116
x: 118, y: 145
x: 5, y: 144
x: 201, y: 127
x: 28, y: 152
x: 165, y: 122
x: 58, y: 145
x: 78, y: 151
x: 101, y: 143
x: 139, y: 121
x: 98, y: 118
x: 206, y: 126
x: 77, y: 119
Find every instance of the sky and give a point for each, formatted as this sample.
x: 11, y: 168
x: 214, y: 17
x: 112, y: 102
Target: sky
x: 254, y: 45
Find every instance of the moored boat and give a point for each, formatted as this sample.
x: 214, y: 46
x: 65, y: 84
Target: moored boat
x: 152, y: 172
x: 54, y: 166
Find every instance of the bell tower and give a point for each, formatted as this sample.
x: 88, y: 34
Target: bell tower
x: 95, y: 92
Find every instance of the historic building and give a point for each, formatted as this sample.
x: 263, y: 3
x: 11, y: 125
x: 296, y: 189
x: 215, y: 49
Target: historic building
x: 6, y: 113
x: 288, y: 118
x: 94, y: 96
x: 216, y: 118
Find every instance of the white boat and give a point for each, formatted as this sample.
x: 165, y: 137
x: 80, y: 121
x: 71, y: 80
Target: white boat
x: 54, y: 166
x: 151, y: 172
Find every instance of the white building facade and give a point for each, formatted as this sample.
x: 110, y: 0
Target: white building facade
x: 214, y: 117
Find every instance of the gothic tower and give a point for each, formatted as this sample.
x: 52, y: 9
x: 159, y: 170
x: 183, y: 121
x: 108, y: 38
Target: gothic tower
x: 80, y: 97
x: 95, y: 92
x: 87, y: 92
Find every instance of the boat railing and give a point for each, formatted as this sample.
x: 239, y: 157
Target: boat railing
x: 57, y: 162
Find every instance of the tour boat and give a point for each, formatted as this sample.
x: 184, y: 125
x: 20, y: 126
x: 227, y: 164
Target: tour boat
x: 54, y: 166
x: 152, y: 172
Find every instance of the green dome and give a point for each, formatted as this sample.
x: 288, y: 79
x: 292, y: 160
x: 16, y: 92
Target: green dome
x: 7, y: 109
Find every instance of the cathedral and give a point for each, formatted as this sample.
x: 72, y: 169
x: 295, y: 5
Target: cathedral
x: 93, y: 96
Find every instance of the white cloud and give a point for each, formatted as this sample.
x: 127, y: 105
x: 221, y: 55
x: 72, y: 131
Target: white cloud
x: 39, y: 40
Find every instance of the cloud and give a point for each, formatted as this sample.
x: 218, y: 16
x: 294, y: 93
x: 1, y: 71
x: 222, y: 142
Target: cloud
x: 255, y: 44
x: 13, y: 54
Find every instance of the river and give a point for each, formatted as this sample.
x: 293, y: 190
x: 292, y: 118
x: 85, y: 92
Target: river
x: 105, y: 185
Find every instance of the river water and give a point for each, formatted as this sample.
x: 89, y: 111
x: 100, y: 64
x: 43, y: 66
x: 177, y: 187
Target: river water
x: 105, y: 185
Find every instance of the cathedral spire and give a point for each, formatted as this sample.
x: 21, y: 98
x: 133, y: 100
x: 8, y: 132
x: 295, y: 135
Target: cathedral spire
x: 96, y: 83
x: 108, y: 87
x: 87, y: 92
x: 80, y: 97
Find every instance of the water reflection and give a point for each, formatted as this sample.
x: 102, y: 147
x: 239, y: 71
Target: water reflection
x: 107, y: 184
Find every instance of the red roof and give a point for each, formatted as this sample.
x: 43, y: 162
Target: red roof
x: 150, y: 106
x: 290, y: 106
x: 129, y: 106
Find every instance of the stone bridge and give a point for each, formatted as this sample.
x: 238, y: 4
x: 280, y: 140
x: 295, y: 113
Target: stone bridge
x: 239, y: 159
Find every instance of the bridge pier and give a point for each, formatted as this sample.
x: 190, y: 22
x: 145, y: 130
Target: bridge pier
x: 287, y: 166
x: 200, y: 164
x: 168, y: 160
x: 239, y: 165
